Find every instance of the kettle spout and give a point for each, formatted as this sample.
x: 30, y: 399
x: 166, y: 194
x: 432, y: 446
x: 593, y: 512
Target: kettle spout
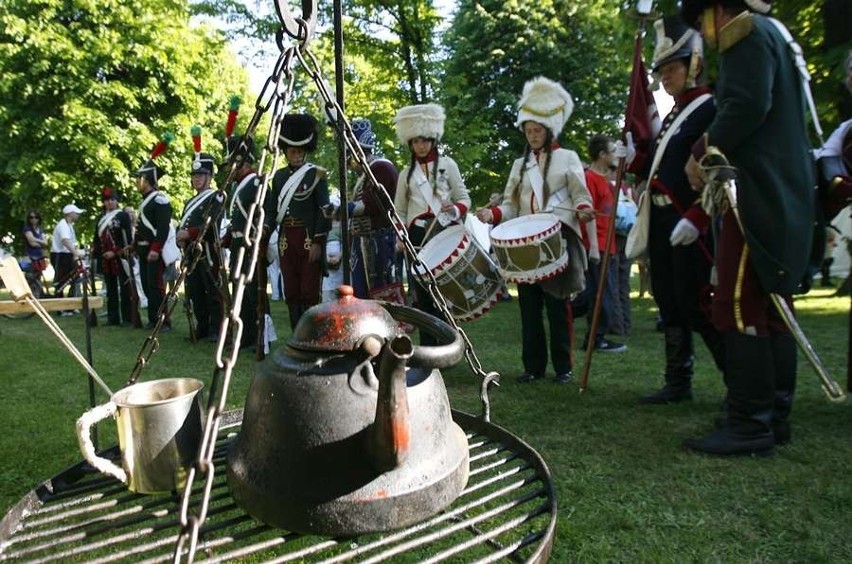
x: 391, y: 434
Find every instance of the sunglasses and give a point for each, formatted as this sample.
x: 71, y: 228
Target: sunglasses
x: 38, y: 217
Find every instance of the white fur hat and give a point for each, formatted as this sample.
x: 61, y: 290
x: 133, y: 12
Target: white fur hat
x: 546, y: 102
x: 422, y: 120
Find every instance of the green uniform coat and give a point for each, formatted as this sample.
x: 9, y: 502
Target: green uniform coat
x: 760, y: 127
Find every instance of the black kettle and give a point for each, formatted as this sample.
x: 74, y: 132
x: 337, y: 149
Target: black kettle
x: 347, y: 429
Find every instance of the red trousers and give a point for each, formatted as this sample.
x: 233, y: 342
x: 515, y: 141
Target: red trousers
x: 302, y: 279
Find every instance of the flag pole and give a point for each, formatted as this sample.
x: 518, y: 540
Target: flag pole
x: 642, y: 13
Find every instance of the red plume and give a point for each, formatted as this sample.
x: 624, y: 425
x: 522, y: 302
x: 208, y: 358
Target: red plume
x: 233, y: 110
x: 167, y: 138
x: 196, y: 138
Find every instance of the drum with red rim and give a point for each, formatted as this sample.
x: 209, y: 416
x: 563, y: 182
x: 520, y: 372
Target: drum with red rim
x: 465, y: 274
x: 529, y: 248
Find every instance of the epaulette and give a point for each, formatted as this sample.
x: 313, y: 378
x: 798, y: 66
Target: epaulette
x: 161, y: 199
x: 735, y: 30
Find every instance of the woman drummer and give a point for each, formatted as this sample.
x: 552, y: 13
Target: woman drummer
x: 430, y: 193
x: 548, y: 179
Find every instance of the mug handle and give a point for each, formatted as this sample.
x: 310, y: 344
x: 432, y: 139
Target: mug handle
x: 84, y: 438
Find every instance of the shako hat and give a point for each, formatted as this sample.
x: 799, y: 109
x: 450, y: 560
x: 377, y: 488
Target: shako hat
x: 236, y: 147
x: 298, y: 130
x: 202, y: 163
x: 363, y: 130
x: 544, y: 101
x: 690, y: 10
x: 149, y: 169
x: 421, y: 120
x: 232, y: 146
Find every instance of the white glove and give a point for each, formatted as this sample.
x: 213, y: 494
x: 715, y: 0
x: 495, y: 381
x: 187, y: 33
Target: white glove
x: 684, y: 233
x: 628, y: 151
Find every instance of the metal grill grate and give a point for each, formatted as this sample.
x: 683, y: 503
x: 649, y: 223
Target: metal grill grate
x: 507, y: 511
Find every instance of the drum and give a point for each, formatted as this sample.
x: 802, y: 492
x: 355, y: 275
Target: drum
x: 529, y: 248
x: 466, y: 276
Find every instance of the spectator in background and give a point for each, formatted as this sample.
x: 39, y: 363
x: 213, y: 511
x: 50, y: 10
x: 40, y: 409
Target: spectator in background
x: 624, y: 220
x: 35, y: 242
x: 602, y: 155
x: 64, y: 252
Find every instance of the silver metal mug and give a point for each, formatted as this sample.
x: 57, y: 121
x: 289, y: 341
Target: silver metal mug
x: 159, y: 432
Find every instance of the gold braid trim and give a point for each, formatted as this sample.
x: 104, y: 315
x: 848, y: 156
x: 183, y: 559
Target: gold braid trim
x: 735, y: 30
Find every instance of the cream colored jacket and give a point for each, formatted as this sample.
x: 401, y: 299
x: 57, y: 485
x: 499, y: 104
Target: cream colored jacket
x: 567, y: 185
x: 410, y: 201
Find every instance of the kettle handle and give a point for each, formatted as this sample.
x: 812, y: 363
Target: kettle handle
x: 437, y: 356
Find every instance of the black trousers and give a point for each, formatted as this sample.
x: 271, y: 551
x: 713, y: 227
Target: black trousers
x: 153, y: 285
x: 532, y: 300
x: 206, y: 300
x: 248, y: 307
x: 118, y: 297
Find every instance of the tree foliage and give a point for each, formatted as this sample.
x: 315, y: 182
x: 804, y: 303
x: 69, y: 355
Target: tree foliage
x: 87, y: 88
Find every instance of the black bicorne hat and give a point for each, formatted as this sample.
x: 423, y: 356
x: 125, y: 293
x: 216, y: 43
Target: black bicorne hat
x: 674, y: 40
x: 298, y: 130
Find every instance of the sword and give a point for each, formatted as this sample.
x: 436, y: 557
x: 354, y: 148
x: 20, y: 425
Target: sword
x: 722, y: 178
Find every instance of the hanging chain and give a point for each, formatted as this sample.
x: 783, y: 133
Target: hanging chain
x: 418, y: 267
x: 276, y: 93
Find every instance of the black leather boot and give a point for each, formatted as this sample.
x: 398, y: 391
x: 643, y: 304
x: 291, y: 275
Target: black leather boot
x: 679, y: 363
x: 751, y: 396
x: 784, y: 357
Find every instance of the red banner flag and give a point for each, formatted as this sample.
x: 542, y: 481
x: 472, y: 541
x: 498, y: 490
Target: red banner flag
x: 641, y: 118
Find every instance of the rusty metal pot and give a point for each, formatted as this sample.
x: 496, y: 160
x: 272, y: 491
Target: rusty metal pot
x: 347, y: 429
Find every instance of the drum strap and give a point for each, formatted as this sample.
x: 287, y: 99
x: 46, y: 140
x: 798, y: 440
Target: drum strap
x: 426, y: 190
x: 557, y: 198
x: 533, y: 173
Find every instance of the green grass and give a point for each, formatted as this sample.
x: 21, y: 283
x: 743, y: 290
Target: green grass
x: 627, y: 490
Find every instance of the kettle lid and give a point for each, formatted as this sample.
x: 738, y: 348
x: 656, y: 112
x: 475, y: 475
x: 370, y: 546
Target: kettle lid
x: 341, y: 325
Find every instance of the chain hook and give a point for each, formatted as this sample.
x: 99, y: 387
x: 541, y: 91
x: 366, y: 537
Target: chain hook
x: 301, y: 29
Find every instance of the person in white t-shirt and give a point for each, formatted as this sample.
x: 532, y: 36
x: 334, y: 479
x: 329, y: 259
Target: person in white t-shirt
x: 64, y: 252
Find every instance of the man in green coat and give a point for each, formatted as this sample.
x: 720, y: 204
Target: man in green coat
x: 760, y: 128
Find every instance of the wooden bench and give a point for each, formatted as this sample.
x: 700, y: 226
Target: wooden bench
x: 51, y: 304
